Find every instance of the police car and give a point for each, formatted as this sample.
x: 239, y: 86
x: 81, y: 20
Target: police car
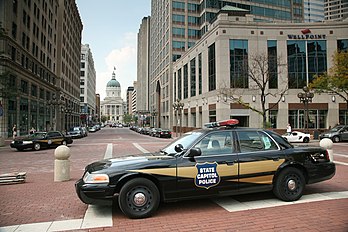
x: 221, y: 160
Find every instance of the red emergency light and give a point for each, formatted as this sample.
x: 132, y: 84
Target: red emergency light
x: 229, y: 122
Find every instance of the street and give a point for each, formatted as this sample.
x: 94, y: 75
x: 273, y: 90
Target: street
x: 40, y: 204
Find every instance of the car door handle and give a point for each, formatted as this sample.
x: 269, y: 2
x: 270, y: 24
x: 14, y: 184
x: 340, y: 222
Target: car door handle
x: 230, y: 163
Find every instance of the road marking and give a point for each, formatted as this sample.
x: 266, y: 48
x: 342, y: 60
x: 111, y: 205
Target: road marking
x: 341, y: 163
x: 346, y: 156
x: 143, y: 150
x: 232, y: 205
x: 108, y: 152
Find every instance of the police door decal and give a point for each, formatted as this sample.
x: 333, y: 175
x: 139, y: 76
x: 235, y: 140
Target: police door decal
x: 207, y: 175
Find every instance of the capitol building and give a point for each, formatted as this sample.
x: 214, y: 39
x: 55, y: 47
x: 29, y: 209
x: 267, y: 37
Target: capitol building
x: 113, y: 106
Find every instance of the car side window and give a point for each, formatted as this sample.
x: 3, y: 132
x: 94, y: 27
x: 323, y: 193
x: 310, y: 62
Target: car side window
x: 251, y: 141
x: 216, y: 143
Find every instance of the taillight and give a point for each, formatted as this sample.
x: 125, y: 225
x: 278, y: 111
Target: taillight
x: 327, y: 156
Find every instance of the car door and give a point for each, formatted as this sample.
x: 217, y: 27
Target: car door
x: 54, y: 138
x: 344, y: 134
x: 213, y: 172
x: 259, y: 157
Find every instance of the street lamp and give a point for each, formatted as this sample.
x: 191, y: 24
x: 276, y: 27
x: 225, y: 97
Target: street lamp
x: 178, y: 106
x: 55, y: 102
x: 68, y: 112
x: 306, y: 97
x: 154, y: 114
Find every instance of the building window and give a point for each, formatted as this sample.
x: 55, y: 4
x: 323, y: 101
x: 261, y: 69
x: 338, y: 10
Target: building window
x: 178, y: 32
x: 179, y: 84
x: 303, y: 55
x: 82, y: 73
x: 179, y: 45
x: 212, y: 115
x: 211, y: 68
x: 343, y: 117
x: 342, y: 45
x: 24, y: 86
x: 296, y: 64
x: 317, y: 64
x: 272, y: 118
x: 193, y: 77
x: 83, y: 64
x: 34, y: 90
x: 178, y: 6
x: 200, y: 73
x: 317, y: 118
x: 175, y: 86
x: 185, y: 81
x: 180, y: 19
x: 272, y: 64
x: 239, y: 63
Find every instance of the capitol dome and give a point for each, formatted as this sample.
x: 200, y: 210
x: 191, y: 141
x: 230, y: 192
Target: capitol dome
x: 113, y: 82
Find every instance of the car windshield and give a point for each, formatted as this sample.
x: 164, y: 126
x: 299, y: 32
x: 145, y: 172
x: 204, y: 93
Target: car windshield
x: 186, y: 140
x: 337, y: 128
x: 38, y: 135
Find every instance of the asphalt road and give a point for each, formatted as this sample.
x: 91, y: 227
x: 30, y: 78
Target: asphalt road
x: 41, y: 200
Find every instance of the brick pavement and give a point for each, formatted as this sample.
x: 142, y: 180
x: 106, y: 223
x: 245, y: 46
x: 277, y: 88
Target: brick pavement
x: 41, y: 199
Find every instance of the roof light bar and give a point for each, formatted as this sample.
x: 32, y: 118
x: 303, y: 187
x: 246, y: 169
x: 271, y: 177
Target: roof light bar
x: 229, y: 122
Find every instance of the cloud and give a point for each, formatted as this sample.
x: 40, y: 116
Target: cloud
x: 125, y: 61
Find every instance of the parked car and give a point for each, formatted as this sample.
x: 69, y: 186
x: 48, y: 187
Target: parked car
x: 163, y: 133
x: 225, y: 160
x: 336, y: 134
x: 153, y: 131
x: 92, y: 129
x: 39, y: 140
x: 297, y: 137
x: 76, y: 132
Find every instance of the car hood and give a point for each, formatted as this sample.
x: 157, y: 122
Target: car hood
x: 127, y: 163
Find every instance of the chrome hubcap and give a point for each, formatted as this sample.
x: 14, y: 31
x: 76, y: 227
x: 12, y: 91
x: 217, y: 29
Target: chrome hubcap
x: 291, y: 185
x: 139, y: 199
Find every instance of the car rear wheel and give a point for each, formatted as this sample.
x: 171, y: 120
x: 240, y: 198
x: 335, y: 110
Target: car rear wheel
x: 306, y: 140
x: 336, y: 139
x: 289, y: 185
x: 139, y: 198
x: 37, y: 146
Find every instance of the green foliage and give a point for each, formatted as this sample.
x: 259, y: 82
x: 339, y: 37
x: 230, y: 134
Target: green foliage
x: 127, y: 118
x: 103, y: 118
x: 336, y: 80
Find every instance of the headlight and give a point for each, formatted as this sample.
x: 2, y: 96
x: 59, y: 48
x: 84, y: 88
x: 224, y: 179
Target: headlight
x: 27, y: 142
x: 96, y: 178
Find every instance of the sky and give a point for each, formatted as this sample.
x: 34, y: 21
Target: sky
x: 110, y: 27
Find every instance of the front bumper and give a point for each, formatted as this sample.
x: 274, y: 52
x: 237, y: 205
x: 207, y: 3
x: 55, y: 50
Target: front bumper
x: 21, y: 146
x: 94, y: 194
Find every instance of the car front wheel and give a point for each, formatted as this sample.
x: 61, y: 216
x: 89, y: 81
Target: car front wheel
x: 37, y: 146
x: 289, y: 185
x: 139, y: 198
x: 306, y: 140
x: 336, y: 139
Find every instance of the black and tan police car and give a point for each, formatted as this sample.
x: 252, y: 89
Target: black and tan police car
x: 224, y: 160
x: 39, y: 140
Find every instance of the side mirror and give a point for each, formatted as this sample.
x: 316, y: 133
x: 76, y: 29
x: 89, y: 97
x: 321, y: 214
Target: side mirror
x: 196, y: 151
x: 179, y: 148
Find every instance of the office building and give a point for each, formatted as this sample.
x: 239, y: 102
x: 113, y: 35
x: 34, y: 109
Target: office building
x: 215, y: 78
x: 41, y: 43
x: 176, y: 26
x: 313, y: 10
x: 87, y: 86
x: 336, y: 10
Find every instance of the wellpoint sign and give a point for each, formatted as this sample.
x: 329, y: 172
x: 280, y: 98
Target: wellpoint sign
x: 306, y: 35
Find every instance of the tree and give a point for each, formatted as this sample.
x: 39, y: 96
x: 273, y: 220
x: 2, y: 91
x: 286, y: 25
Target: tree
x: 336, y: 80
x: 262, y: 72
x: 127, y: 118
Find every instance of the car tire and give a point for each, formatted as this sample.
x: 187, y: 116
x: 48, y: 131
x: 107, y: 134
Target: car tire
x: 147, y: 202
x: 289, y: 185
x: 37, y: 146
x: 306, y: 140
x: 336, y: 139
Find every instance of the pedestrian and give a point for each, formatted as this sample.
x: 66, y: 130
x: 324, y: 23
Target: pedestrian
x: 288, y: 128
x: 32, y: 131
x: 14, y: 131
